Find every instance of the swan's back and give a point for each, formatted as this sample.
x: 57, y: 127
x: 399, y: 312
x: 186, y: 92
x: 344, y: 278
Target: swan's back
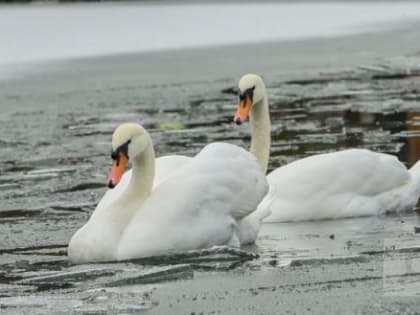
x: 332, y: 185
x: 198, y: 205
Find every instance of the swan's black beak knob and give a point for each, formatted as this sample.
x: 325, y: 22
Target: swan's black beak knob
x: 111, y: 184
x: 238, y: 121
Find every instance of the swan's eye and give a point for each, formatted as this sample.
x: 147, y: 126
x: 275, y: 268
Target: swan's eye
x: 248, y: 92
x: 114, y: 155
x: 121, y: 149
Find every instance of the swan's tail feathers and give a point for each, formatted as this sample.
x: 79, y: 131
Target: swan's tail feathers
x: 247, y: 229
x: 264, y: 208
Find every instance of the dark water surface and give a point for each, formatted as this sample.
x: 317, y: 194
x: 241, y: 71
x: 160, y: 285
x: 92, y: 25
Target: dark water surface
x: 55, y: 144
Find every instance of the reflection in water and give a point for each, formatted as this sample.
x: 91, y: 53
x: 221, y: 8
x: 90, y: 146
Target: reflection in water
x: 335, y: 130
x: 337, y: 113
x: 412, y: 148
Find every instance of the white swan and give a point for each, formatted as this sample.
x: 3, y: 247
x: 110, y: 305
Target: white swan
x: 196, y: 206
x: 355, y: 182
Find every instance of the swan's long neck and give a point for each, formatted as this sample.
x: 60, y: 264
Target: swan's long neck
x: 98, y: 240
x: 261, y: 132
x: 138, y: 189
x: 142, y: 176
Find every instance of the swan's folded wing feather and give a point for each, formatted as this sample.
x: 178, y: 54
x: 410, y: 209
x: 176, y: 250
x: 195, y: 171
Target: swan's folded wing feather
x: 221, y: 174
x: 238, y: 173
x: 357, y: 170
x: 166, y: 165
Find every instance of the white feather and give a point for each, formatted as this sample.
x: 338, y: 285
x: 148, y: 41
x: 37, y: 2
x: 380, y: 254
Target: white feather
x: 347, y: 183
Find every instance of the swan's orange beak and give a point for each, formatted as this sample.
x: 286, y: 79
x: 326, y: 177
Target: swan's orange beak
x: 117, y: 169
x: 242, y: 110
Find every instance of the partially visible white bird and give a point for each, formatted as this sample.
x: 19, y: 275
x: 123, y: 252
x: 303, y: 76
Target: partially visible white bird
x: 354, y: 182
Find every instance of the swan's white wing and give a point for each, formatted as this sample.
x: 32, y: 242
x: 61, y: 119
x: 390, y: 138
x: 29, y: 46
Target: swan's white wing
x: 236, y: 175
x: 404, y: 197
x: 166, y: 165
x: 333, y: 185
x: 197, y: 206
x: 355, y: 170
